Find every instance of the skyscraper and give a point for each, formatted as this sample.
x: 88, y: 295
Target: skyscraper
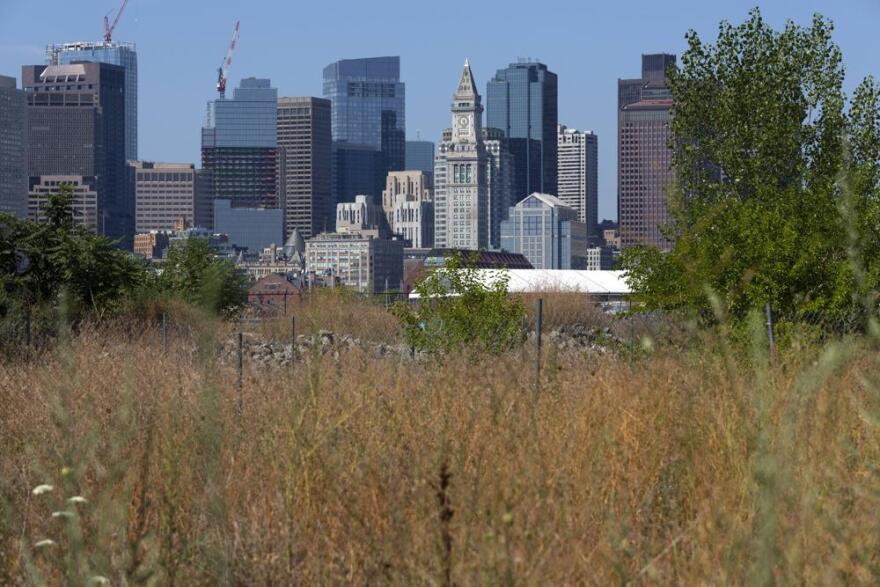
x: 368, y: 114
x: 304, y: 166
x: 13, y: 149
x: 114, y: 53
x: 239, y: 145
x: 521, y: 100
x: 76, y: 127
x: 420, y: 156
x: 644, y: 158
x: 578, y: 174
x: 473, y: 175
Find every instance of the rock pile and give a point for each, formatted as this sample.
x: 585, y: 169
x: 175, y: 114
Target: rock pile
x: 575, y: 338
x: 268, y: 352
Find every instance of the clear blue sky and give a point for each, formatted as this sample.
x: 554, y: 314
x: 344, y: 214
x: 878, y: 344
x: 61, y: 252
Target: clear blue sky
x: 588, y: 44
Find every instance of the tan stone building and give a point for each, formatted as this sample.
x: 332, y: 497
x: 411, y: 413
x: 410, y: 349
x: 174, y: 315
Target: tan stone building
x: 163, y: 193
x: 84, y: 191
x: 409, y: 208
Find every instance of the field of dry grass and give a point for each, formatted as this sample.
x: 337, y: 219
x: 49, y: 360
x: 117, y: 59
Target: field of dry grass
x: 671, y: 467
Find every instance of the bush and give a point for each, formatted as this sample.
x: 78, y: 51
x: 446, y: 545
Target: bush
x: 192, y: 273
x: 457, y: 309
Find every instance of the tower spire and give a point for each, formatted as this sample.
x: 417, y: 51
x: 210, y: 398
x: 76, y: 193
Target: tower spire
x: 466, y: 85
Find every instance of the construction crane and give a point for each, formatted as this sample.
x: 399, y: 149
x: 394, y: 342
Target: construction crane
x: 223, y: 70
x: 108, y: 28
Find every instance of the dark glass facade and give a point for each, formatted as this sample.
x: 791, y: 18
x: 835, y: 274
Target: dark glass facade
x: 368, y: 112
x: 114, y: 53
x: 13, y: 148
x: 239, y: 146
x: 76, y: 126
x: 420, y: 156
x: 356, y: 170
x: 522, y: 101
x: 644, y: 159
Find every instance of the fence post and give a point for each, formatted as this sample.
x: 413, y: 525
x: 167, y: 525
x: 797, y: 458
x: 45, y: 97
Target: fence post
x: 770, y: 339
x: 164, y: 333
x: 27, y: 327
x: 285, y: 303
x: 239, y: 364
x: 293, y: 330
x: 539, y: 320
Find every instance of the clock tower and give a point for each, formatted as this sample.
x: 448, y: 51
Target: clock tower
x: 467, y: 111
x: 461, y: 185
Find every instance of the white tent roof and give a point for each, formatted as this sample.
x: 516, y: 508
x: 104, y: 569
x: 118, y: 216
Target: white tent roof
x: 566, y: 280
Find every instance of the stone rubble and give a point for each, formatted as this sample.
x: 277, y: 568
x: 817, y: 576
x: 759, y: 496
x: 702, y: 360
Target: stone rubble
x: 576, y: 338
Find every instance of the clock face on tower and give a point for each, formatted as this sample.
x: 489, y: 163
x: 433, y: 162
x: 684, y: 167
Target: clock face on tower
x: 462, y: 122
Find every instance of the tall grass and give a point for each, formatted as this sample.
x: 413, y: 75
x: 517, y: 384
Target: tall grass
x: 678, y: 467
x: 339, y: 310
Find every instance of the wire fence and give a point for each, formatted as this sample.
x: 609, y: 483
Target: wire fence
x: 575, y: 319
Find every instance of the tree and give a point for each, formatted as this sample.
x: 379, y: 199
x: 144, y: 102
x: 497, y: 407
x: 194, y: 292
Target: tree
x: 39, y: 260
x: 193, y: 273
x: 761, y: 141
x: 457, y: 309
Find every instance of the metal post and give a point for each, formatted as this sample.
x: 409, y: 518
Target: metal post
x: 770, y: 331
x: 239, y: 364
x: 164, y: 333
x: 539, y: 320
x: 293, y: 329
x: 285, y: 303
x: 27, y: 327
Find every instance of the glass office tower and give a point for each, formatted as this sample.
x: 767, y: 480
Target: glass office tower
x: 239, y: 145
x: 13, y: 148
x: 420, y: 156
x: 367, y: 114
x: 114, y: 53
x: 547, y: 231
x: 521, y: 100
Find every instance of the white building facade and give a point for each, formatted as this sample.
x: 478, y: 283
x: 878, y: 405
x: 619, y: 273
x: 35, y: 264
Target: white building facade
x: 577, y: 173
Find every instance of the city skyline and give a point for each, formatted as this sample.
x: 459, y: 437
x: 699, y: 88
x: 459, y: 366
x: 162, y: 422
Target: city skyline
x: 294, y: 57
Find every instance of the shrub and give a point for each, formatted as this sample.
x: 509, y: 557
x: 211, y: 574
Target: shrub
x: 456, y: 308
x: 192, y: 273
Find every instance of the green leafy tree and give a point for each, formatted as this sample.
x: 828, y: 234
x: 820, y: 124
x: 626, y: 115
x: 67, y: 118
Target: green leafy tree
x: 192, y: 272
x: 457, y: 309
x: 762, y: 139
x: 39, y: 260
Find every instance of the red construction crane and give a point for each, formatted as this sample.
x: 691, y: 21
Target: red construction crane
x: 223, y: 70
x: 108, y: 28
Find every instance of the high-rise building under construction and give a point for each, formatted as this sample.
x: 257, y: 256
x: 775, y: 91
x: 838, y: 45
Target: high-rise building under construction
x: 240, y: 145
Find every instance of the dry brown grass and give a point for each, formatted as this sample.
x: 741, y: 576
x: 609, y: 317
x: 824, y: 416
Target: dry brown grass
x: 672, y: 469
x: 338, y: 310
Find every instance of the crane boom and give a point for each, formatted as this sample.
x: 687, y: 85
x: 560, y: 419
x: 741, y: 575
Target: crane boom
x: 108, y: 28
x: 223, y: 70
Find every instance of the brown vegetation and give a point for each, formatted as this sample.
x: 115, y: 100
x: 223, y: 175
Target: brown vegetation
x: 670, y: 468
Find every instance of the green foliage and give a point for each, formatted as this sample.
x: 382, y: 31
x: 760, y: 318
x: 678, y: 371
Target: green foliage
x: 765, y: 159
x: 40, y: 260
x: 191, y: 272
x: 456, y: 309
